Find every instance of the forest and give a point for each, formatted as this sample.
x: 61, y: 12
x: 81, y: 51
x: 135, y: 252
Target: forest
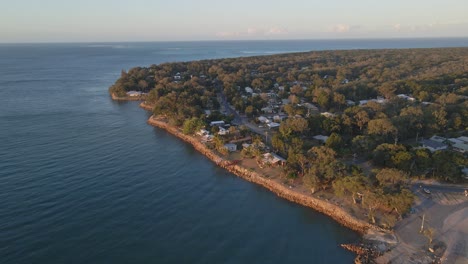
x: 374, y: 106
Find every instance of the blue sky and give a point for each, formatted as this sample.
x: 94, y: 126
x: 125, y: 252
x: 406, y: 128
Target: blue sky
x: 157, y: 20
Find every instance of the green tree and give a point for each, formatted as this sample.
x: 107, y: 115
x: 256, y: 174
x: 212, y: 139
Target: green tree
x: 334, y: 141
x: 349, y: 185
x: 391, y: 177
x: 382, y: 127
x: 192, y: 125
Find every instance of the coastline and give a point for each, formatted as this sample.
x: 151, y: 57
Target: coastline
x: 324, y: 207
x: 127, y: 98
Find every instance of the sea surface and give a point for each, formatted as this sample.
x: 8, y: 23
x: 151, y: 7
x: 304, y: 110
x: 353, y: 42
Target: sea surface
x: 84, y: 179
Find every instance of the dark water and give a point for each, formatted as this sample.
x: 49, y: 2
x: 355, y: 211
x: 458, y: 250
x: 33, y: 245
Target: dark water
x: 83, y: 179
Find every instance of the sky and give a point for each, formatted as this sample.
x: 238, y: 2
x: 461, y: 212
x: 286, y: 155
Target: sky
x: 184, y: 20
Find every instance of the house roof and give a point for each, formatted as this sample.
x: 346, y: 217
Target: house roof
x: 321, y: 138
x: 273, y: 158
x: 438, y: 139
x: 273, y: 124
x: 432, y: 144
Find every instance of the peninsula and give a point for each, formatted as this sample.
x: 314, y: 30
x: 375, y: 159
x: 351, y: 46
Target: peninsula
x: 371, y: 138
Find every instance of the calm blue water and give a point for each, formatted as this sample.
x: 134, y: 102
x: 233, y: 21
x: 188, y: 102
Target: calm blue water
x: 84, y: 179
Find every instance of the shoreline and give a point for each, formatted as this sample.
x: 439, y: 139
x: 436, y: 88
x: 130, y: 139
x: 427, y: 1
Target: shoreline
x: 321, y: 206
x: 126, y: 98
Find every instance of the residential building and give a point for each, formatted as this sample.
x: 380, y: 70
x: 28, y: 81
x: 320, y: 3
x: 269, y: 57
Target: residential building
x: 230, y: 147
x: 432, y: 145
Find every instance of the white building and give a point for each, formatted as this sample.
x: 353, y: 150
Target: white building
x: 267, y: 110
x: 273, y: 125
x: 328, y: 114
x: 273, y: 159
x: 217, y: 123
x: 459, y: 144
x: 133, y: 93
x: 432, y: 145
x: 406, y: 97
x: 248, y: 90
x: 230, y: 147
x: 320, y: 138
x: 263, y: 119
x: 438, y: 139
x: 222, y: 131
x: 310, y: 107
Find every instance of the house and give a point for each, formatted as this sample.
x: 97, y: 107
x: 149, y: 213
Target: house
x: 177, y: 77
x: 263, y: 119
x: 465, y: 172
x: 432, y: 145
x: 277, y: 118
x: 217, y: 123
x: 438, y: 139
x: 222, y: 131
x: 207, y: 113
x: 207, y: 138
x: 273, y: 125
x: 203, y: 132
x: 379, y: 100
x: 273, y: 159
x: 406, y: 97
x: 327, y: 114
x: 345, y: 81
x: 310, y: 107
x: 230, y: 147
x: 320, y: 138
x: 248, y: 90
x: 459, y: 144
x: 350, y: 103
x: 363, y: 102
x: 133, y: 93
x: 267, y: 110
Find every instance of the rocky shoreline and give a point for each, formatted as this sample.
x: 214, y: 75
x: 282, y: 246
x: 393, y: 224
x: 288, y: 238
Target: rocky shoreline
x: 365, y: 251
x: 324, y: 207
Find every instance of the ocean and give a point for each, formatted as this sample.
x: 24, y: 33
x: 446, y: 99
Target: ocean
x: 84, y: 179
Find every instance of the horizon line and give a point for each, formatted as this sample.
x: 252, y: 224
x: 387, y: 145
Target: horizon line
x: 230, y: 40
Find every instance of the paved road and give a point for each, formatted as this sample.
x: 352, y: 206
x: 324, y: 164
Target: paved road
x: 241, y: 120
x: 444, y: 188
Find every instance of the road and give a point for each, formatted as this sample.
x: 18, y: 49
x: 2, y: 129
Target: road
x: 445, y: 188
x: 242, y: 120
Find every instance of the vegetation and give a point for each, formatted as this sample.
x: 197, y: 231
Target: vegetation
x: 375, y: 105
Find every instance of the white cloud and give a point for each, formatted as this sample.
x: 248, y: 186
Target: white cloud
x: 340, y: 28
x: 227, y: 34
x: 277, y: 31
x: 252, y: 32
